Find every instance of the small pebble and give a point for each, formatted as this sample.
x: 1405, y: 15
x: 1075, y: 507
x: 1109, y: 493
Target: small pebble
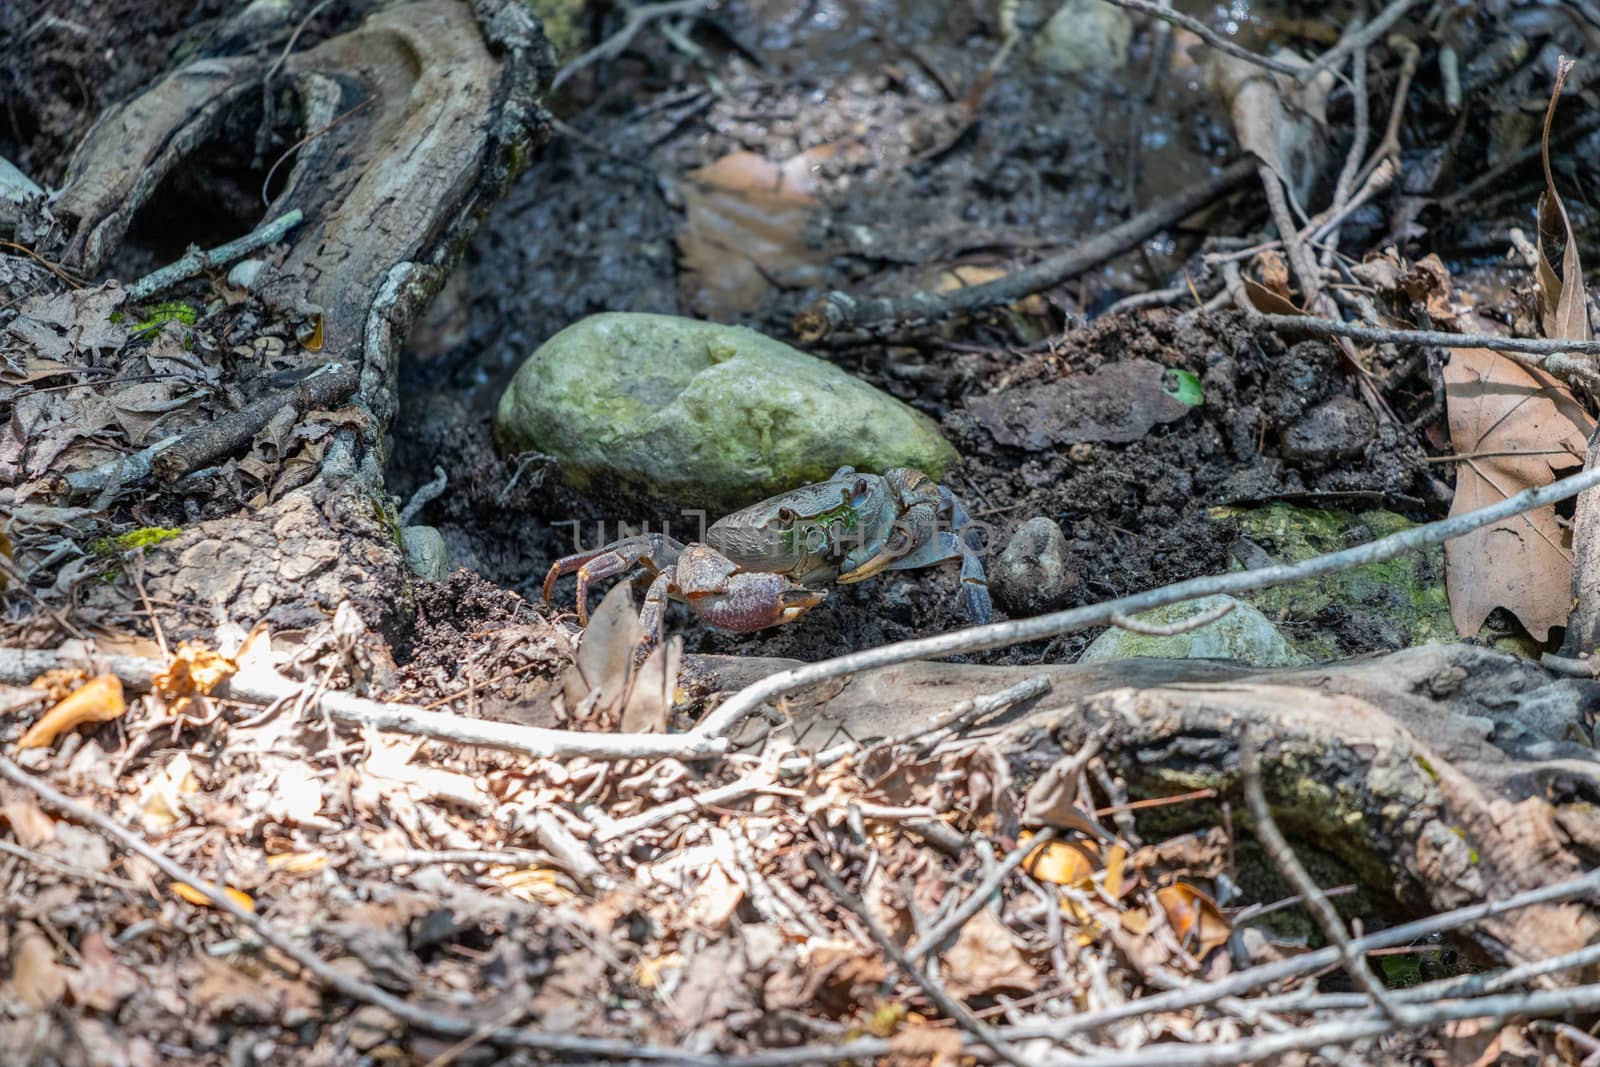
x: 426, y: 553
x: 245, y: 273
x: 1031, y: 575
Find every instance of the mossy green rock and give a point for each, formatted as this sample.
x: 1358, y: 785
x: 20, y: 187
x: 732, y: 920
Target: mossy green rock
x: 1393, y: 604
x: 701, y: 415
x: 1243, y: 635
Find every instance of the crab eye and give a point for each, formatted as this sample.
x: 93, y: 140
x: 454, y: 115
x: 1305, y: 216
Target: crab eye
x: 787, y: 514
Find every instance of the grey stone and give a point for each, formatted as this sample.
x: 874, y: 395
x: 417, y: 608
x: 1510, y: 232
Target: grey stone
x: 1031, y: 576
x: 426, y: 553
x: 245, y: 273
x: 696, y: 414
x: 1084, y: 35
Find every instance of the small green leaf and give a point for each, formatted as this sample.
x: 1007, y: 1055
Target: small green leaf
x: 1183, y: 387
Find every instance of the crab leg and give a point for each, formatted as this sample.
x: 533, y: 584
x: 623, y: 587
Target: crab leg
x: 655, y: 552
x: 937, y: 529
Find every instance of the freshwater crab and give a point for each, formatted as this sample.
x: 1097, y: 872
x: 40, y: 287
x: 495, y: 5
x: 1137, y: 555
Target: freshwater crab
x: 759, y: 567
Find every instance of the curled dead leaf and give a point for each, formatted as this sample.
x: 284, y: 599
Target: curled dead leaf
x: 1064, y: 862
x: 185, y: 891
x: 194, y: 671
x: 1195, y: 917
x: 1563, y: 299
x: 97, y: 700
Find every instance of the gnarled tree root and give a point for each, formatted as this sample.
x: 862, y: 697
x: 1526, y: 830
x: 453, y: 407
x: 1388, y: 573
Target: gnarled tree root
x: 414, y: 121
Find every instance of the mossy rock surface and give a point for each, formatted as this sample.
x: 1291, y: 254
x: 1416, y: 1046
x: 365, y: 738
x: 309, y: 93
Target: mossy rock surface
x: 1394, y: 604
x: 1244, y: 635
x: 696, y: 414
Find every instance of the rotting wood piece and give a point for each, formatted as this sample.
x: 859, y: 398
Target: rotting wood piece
x: 1393, y: 766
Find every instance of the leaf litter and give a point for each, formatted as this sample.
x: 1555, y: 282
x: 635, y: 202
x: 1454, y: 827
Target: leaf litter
x: 702, y: 919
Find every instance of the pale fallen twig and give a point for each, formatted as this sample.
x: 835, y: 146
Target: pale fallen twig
x: 1172, y: 629
x: 1316, y: 901
x: 21, y: 666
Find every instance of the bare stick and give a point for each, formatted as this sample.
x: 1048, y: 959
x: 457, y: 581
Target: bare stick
x: 1365, y: 38
x: 953, y: 922
x: 329, y: 976
x: 1316, y: 901
x: 20, y: 666
x: 952, y: 1008
x: 178, y: 455
x: 1213, y: 38
x: 1173, y: 629
x: 1002, y: 634
x: 1553, y: 356
x: 324, y: 387
x: 838, y: 310
x: 195, y: 261
x: 617, y: 43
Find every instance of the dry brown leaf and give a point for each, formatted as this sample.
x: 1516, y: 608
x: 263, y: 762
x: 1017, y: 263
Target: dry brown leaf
x: 97, y: 700
x: 101, y: 983
x: 194, y: 671
x: 30, y: 826
x: 648, y: 709
x: 1268, y: 302
x: 925, y: 1045
x: 1280, y: 122
x: 187, y: 892
x: 1521, y: 426
x: 1116, y: 869
x: 743, y: 230
x: 604, y: 663
x: 1427, y: 283
x: 1053, y: 799
x: 37, y: 980
x: 1563, y: 299
x: 984, y: 959
x: 1195, y: 917
x: 1064, y: 862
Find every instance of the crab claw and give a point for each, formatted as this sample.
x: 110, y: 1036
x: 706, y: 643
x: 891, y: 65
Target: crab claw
x: 730, y: 599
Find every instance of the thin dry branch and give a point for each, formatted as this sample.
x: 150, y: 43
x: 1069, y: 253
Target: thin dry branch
x: 1213, y: 38
x: 196, y: 260
x: 842, y: 311
x: 1366, y: 37
x: 21, y: 666
x: 1316, y: 901
x: 952, y: 1008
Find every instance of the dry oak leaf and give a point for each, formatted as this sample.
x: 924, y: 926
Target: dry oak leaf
x: 744, y: 229
x: 985, y: 960
x: 1521, y: 427
x: 97, y: 700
